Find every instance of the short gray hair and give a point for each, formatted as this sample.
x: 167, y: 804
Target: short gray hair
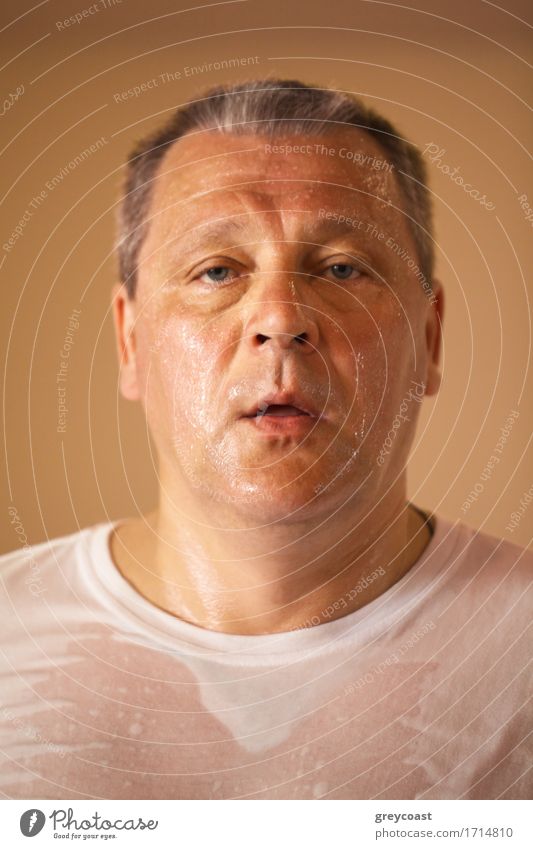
x: 270, y: 107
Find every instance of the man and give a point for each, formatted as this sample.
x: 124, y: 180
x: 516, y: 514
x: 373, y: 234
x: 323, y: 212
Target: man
x: 284, y: 624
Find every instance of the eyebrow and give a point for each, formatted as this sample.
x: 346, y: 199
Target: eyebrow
x: 351, y: 226
x: 220, y: 230
x: 211, y: 231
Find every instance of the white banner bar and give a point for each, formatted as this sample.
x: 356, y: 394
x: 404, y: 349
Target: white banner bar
x: 249, y: 824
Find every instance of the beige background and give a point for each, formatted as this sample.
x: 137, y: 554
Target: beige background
x: 451, y: 73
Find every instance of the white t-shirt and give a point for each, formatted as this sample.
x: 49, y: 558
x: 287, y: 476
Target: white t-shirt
x: 420, y: 694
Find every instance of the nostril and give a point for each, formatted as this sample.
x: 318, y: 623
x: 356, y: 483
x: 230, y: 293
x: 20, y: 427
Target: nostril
x: 301, y: 338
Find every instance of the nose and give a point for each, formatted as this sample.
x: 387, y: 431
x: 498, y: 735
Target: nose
x: 281, y: 321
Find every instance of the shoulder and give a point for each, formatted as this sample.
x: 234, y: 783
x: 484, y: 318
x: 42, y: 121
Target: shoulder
x: 486, y: 559
x: 31, y: 569
x: 484, y: 547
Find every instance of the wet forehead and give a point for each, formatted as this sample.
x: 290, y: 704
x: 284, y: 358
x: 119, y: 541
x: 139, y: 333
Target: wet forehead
x: 344, y: 169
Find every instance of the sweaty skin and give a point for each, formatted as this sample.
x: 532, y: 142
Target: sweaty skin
x: 249, y: 288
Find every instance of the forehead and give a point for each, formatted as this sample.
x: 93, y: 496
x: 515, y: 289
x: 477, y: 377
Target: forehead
x: 203, y: 173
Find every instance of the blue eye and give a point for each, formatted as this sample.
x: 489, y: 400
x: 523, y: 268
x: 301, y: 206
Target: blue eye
x: 217, y: 274
x: 344, y: 271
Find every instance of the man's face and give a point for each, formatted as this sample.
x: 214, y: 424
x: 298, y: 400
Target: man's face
x: 273, y: 342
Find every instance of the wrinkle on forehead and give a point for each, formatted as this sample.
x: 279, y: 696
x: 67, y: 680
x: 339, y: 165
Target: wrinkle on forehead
x: 274, y: 204
x: 193, y: 161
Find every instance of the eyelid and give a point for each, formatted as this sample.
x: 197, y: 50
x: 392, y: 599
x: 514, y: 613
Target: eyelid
x: 347, y: 258
x: 236, y: 268
x: 358, y: 263
x: 214, y: 262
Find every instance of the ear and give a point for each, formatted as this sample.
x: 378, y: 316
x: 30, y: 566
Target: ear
x: 124, y: 320
x: 434, y: 322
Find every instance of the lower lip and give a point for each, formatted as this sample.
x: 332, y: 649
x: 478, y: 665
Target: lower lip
x: 281, y: 425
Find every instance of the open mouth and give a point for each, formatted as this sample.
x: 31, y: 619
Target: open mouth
x: 284, y: 413
x: 278, y: 420
x: 279, y: 410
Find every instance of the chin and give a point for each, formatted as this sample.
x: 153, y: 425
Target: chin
x: 286, y: 499
x: 283, y: 481
x: 282, y: 510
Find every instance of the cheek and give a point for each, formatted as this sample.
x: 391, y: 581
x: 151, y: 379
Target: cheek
x: 182, y: 367
x: 369, y: 348
x: 375, y: 362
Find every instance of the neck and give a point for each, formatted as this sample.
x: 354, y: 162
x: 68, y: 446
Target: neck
x: 269, y: 579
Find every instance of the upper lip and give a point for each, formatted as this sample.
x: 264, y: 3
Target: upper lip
x: 285, y: 398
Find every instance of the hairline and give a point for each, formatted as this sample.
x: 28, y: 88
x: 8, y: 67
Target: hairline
x: 191, y: 119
